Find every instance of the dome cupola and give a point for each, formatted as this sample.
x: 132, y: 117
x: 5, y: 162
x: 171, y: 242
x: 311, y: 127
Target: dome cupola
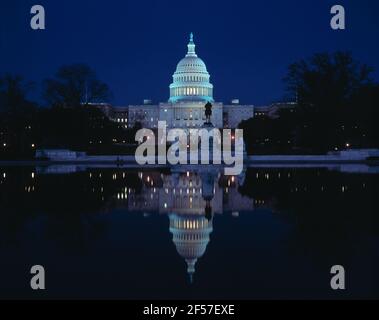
x: 191, y: 78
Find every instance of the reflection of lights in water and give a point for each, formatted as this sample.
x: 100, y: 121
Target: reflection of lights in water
x: 32, y: 175
x: 29, y: 189
x: 122, y: 196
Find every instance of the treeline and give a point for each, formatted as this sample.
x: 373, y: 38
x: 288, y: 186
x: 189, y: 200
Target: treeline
x: 66, y: 121
x: 337, y: 108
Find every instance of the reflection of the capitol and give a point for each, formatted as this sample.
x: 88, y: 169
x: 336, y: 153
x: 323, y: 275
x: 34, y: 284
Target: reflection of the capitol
x: 191, y: 237
x: 190, y: 199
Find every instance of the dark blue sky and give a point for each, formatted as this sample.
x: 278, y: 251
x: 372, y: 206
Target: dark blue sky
x: 134, y: 46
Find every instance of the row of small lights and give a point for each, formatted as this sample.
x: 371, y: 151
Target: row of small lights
x: 5, y: 145
x: 232, y: 180
x: 347, y: 145
x: 4, y: 175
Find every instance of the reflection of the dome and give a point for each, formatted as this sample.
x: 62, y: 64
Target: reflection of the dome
x: 191, y: 213
x: 191, y: 237
x: 190, y: 199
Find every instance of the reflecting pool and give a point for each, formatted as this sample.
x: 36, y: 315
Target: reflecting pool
x: 188, y: 233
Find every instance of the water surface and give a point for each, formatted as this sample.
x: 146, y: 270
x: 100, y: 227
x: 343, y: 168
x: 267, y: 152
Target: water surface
x: 188, y: 234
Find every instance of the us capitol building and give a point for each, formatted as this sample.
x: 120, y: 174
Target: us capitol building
x: 190, y: 90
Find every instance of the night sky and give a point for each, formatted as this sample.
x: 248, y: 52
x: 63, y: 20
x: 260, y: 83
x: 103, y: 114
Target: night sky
x: 134, y: 46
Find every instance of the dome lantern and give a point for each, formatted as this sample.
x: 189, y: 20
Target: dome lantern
x: 191, y: 47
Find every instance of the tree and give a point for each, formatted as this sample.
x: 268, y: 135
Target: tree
x: 325, y: 87
x: 17, y: 115
x: 88, y: 128
x: 73, y: 86
x: 264, y: 135
x: 13, y: 91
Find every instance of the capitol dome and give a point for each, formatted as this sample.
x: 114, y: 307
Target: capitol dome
x: 191, y: 78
